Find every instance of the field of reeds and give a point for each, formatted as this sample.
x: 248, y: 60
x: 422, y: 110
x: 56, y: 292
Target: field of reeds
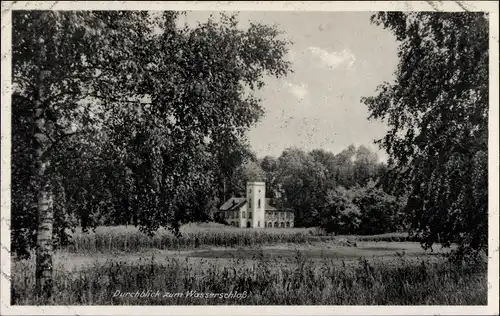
x: 267, y: 282
x: 130, y: 239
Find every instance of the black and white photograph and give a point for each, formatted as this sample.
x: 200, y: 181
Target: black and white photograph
x: 250, y: 154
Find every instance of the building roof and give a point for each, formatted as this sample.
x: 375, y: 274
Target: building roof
x: 235, y: 203
x: 268, y: 206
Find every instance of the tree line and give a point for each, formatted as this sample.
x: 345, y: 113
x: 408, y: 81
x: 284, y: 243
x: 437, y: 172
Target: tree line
x: 344, y: 193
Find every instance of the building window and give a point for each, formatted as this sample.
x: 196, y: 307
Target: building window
x: 282, y: 225
x: 243, y: 214
x: 249, y: 214
x: 258, y: 204
x: 270, y: 224
x: 258, y: 224
x: 249, y: 203
x: 275, y: 224
x: 288, y: 224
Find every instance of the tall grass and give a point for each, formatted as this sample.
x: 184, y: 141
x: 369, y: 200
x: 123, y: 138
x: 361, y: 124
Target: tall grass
x: 267, y: 282
x: 130, y: 239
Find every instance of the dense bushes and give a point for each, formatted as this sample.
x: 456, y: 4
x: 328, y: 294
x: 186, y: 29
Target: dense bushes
x: 362, y: 211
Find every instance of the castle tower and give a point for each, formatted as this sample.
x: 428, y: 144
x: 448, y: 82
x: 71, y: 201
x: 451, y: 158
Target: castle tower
x: 256, y: 204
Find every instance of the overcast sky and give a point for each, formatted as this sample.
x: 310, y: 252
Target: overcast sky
x: 337, y: 58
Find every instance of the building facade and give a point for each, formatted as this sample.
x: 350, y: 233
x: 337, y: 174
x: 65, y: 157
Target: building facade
x: 255, y: 210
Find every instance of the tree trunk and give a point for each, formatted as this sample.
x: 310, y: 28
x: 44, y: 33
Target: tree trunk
x: 44, y: 249
x: 43, y: 286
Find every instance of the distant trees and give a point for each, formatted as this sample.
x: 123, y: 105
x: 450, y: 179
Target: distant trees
x: 326, y: 189
x: 230, y: 160
x: 380, y: 212
x: 437, y: 113
x: 360, y: 210
x: 270, y: 166
x: 340, y: 215
x: 344, y: 193
x: 249, y: 170
x: 303, y: 182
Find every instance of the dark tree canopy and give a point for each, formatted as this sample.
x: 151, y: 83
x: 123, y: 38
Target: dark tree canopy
x: 437, y: 112
x: 141, y: 119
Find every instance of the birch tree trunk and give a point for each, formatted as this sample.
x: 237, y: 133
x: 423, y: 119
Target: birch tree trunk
x: 44, y: 249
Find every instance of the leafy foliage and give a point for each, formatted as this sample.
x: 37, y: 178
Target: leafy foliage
x: 364, y: 210
x: 437, y: 112
x: 340, y: 215
x: 320, y: 186
x: 380, y: 212
x: 137, y: 112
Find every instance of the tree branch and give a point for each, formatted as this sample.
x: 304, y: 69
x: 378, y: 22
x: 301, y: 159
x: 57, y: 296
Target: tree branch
x: 55, y: 143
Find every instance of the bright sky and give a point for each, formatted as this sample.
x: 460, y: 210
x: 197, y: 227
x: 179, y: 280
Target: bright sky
x: 337, y: 58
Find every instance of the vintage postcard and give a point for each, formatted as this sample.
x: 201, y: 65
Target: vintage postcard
x: 249, y: 158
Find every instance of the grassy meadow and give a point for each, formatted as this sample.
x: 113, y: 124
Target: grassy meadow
x: 213, y: 264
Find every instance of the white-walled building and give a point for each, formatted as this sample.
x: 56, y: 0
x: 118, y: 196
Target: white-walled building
x: 255, y: 210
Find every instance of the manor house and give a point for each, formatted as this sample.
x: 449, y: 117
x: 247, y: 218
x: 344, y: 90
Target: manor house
x: 255, y: 210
